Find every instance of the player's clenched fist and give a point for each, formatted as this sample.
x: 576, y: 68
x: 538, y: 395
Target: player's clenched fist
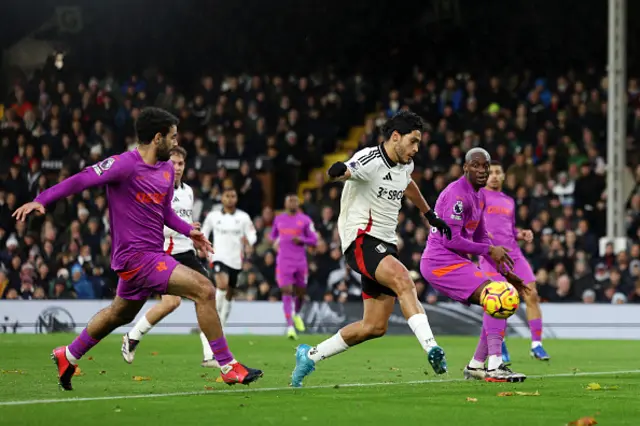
x: 438, y: 223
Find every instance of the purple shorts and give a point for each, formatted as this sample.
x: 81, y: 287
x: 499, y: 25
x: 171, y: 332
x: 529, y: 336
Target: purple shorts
x: 520, y: 267
x: 455, y: 277
x: 144, y: 275
x: 292, y: 275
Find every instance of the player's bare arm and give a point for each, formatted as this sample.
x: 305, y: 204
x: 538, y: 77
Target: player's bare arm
x: 413, y: 193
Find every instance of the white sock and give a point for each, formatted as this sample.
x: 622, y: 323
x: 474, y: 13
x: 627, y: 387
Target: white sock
x: 206, y: 347
x: 334, y: 345
x: 221, y: 298
x: 419, y: 324
x: 72, y: 359
x: 495, y: 361
x: 535, y: 344
x: 474, y: 363
x: 141, y: 328
x: 225, y: 311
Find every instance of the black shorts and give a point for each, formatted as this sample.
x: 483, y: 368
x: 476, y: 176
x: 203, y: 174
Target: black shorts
x: 219, y: 267
x: 190, y: 260
x: 363, y: 256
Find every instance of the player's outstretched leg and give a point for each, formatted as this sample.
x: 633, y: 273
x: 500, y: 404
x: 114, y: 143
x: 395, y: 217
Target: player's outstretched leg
x: 374, y: 324
x: 153, y: 316
x: 185, y: 282
x: 476, y: 369
x: 119, y: 313
x: 534, y: 316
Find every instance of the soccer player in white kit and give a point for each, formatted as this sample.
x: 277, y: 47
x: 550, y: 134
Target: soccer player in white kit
x: 178, y: 246
x: 232, y: 231
x: 376, y: 179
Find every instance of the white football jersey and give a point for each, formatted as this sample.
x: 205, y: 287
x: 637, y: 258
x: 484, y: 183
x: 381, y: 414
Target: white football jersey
x: 182, y: 204
x: 372, y: 196
x: 228, y: 230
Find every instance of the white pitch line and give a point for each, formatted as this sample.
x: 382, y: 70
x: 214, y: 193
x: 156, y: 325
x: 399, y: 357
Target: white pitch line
x: 288, y: 388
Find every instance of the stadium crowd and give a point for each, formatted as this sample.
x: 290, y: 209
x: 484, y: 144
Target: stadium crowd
x: 548, y: 133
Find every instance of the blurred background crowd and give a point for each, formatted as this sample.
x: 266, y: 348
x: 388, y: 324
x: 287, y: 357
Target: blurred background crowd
x: 265, y: 129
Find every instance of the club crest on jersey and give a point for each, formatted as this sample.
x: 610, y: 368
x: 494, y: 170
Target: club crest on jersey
x: 381, y: 248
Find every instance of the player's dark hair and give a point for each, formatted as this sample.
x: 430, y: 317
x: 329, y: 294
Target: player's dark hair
x: 152, y: 121
x: 178, y: 150
x: 404, y: 122
x: 228, y: 188
x: 495, y: 163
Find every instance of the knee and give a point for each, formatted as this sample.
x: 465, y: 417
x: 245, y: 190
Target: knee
x: 402, y: 282
x: 374, y: 330
x: 532, y: 297
x: 173, y: 303
x: 205, y: 292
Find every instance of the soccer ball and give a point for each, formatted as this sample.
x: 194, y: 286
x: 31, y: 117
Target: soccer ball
x: 500, y: 299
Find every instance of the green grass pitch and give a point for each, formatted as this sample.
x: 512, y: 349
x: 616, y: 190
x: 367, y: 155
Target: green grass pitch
x: 383, y: 382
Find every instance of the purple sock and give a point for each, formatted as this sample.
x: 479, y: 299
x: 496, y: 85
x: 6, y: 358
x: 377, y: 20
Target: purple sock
x: 535, y: 325
x: 299, y: 302
x: 221, y: 351
x: 482, y: 350
x: 82, y: 344
x: 494, y: 329
x: 287, y: 305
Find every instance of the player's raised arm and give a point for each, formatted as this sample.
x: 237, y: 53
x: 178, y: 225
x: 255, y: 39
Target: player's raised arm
x: 413, y: 193
x: 358, y: 167
x: 249, y: 231
x: 113, y: 169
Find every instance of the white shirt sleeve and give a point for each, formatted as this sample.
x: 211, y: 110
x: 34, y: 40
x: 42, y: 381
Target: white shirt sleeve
x: 363, y: 164
x: 207, y: 226
x: 249, y: 230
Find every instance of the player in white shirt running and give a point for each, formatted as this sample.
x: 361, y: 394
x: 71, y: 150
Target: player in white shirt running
x: 232, y: 231
x: 178, y: 246
x: 376, y: 180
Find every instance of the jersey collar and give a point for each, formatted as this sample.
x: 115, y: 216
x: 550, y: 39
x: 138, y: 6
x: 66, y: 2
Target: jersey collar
x: 385, y: 157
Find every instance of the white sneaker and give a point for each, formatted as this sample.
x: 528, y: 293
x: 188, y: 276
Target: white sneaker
x: 474, y: 373
x: 504, y: 374
x: 210, y: 363
x: 129, y: 348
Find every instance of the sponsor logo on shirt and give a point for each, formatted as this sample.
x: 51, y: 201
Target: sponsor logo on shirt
x: 498, y: 210
x: 150, y: 197
x: 472, y: 225
x: 354, y: 165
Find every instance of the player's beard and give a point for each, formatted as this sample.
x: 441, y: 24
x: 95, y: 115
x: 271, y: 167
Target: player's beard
x: 400, y: 153
x: 164, y: 151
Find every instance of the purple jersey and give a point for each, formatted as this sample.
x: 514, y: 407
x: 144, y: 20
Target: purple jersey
x: 139, y: 197
x: 500, y: 219
x: 460, y: 206
x: 285, y: 228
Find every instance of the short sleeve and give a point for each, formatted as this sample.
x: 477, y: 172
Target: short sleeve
x: 362, y: 164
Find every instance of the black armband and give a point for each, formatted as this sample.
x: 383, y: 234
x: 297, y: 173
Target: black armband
x: 337, y: 169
